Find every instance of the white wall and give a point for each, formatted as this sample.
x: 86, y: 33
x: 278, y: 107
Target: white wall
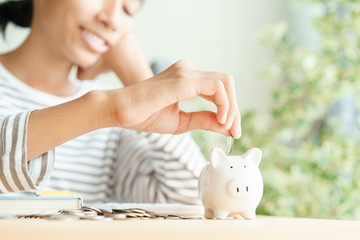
x: 215, y: 35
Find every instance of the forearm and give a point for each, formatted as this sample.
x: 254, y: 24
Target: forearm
x: 51, y: 127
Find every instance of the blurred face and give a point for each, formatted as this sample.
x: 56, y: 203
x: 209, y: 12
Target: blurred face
x: 82, y: 30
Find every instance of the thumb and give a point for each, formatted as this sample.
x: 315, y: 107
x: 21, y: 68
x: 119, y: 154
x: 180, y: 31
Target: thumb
x: 205, y: 120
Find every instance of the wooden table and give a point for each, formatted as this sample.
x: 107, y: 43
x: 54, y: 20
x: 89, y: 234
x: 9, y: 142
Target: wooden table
x: 262, y: 228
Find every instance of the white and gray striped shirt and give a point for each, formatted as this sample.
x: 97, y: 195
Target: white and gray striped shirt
x: 110, y: 164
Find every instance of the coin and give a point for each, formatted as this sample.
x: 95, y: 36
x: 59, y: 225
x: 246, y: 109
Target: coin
x: 91, y: 213
x: 62, y: 217
x: 92, y: 218
x: 86, y: 208
x: 137, y: 210
x: 191, y: 217
x: 132, y: 215
x: 117, y: 216
x: 230, y: 143
x: 121, y: 210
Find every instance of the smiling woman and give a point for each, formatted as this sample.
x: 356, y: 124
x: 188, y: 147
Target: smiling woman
x: 83, y: 33
x: 127, y: 144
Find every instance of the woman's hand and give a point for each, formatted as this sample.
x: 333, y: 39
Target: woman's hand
x: 150, y: 105
x: 126, y: 59
x: 153, y: 105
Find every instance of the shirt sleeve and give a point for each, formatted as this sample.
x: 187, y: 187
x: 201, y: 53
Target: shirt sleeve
x: 16, y: 173
x: 155, y: 168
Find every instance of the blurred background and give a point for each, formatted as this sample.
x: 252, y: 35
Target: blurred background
x: 295, y: 64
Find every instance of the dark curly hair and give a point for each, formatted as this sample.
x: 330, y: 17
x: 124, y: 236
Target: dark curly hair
x: 18, y: 12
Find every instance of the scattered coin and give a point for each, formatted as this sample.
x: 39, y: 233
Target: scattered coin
x: 91, y: 213
x: 62, y: 217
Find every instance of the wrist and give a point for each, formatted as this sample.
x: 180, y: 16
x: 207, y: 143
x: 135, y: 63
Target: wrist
x: 100, y: 102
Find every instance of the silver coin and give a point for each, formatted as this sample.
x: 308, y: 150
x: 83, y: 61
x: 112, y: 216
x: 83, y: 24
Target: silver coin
x: 86, y: 215
x: 191, y: 217
x: 172, y: 217
x: 94, y: 209
x: 104, y: 211
x: 152, y: 214
x: 137, y: 210
x: 132, y: 215
x: 70, y: 211
x: 230, y: 143
x: 121, y: 210
x: 63, y: 217
x: 117, y: 216
x: 93, y: 218
x: 147, y: 215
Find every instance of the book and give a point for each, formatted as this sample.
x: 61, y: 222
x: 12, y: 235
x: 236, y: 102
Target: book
x: 28, y: 202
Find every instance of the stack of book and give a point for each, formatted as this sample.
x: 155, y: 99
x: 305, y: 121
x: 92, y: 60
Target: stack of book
x: 12, y: 204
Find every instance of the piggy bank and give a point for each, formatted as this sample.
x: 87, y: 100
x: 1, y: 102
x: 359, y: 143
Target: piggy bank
x: 231, y: 186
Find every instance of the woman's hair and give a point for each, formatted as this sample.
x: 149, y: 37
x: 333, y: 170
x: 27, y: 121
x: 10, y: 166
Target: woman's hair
x: 19, y: 12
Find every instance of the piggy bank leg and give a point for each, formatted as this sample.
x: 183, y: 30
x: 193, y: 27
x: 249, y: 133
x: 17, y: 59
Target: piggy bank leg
x: 236, y: 216
x: 208, y: 213
x: 249, y: 215
x: 220, y: 214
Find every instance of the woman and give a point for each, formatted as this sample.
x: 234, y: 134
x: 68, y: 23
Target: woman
x: 110, y: 145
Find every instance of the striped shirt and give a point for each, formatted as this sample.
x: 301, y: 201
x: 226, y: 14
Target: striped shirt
x: 110, y: 164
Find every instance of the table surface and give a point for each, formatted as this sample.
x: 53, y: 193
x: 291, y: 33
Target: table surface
x: 262, y: 227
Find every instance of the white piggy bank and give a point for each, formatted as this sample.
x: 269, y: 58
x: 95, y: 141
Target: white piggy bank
x: 231, y: 186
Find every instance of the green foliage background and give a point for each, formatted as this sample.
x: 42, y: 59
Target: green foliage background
x: 310, y: 167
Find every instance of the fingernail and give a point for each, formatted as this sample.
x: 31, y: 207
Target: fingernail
x: 220, y: 119
x: 228, y: 124
x: 238, y: 131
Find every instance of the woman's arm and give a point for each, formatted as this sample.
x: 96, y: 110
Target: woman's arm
x: 150, y: 106
x: 16, y: 173
x: 53, y: 126
x: 126, y: 59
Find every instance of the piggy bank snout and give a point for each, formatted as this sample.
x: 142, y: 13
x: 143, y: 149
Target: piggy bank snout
x: 238, y: 188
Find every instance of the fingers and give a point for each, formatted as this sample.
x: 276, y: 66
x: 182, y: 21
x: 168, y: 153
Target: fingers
x: 228, y: 112
x: 205, y: 120
x: 222, y: 103
x: 235, y: 129
x: 230, y: 90
x: 185, y: 82
x: 234, y: 119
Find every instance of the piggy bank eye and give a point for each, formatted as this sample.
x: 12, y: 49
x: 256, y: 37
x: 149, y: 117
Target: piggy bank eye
x: 231, y: 166
x: 244, y: 166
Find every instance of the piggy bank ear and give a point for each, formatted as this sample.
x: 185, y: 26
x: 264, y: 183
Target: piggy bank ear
x: 254, y: 155
x: 216, y: 156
